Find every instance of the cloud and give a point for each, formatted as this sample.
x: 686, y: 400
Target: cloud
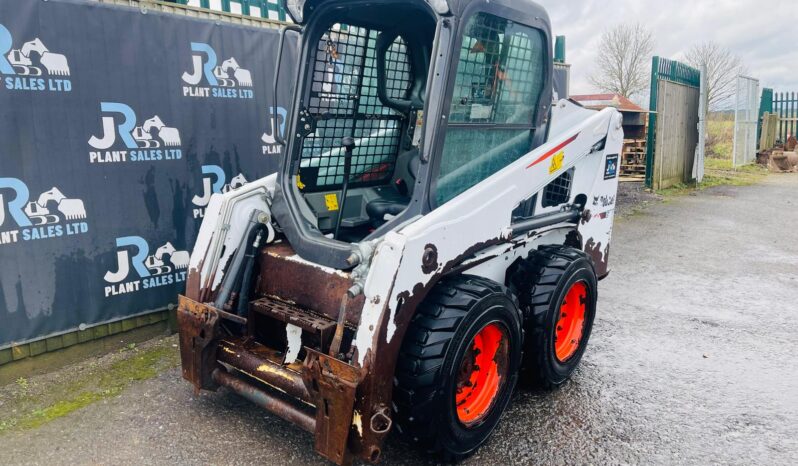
x: 759, y: 31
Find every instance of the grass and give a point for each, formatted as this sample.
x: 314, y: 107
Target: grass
x: 29, y: 406
x: 720, y: 138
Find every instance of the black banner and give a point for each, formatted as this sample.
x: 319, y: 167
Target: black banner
x: 116, y: 125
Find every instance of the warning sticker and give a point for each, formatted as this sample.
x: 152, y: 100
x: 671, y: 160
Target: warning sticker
x: 556, y: 162
x: 332, y: 202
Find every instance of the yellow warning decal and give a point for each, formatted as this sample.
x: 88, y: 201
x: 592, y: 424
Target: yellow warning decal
x: 556, y: 162
x: 332, y: 201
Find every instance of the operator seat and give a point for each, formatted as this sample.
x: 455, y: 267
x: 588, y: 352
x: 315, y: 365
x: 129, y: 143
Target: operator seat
x: 393, y: 201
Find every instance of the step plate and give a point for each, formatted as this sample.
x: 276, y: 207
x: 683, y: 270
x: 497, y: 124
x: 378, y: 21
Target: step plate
x: 320, y: 326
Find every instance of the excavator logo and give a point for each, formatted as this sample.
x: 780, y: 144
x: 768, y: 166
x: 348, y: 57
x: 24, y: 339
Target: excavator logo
x: 28, y: 66
x: 214, y: 182
x: 166, y: 266
x: 277, y: 119
x: 223, y: 80
x: 51, y: 215
x: 153, y: 140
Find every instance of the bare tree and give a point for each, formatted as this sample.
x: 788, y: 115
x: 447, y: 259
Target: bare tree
x: 723, y: 67
x: 623, y: 62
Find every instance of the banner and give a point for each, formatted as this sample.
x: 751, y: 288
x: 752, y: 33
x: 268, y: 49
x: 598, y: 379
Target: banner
x: 116, y: 126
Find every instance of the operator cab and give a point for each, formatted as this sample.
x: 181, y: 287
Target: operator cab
x: 359, y: 161
x: 368, y: 82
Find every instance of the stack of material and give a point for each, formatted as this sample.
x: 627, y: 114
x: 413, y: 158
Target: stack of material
x: 633, y: 161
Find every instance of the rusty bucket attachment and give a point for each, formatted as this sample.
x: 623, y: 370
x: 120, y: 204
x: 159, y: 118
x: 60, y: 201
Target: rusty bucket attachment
x: 197, y: 324
x: 332, y: 384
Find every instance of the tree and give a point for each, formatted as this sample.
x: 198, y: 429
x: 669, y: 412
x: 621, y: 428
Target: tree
x: 623, y: 62
x: 723, y: 67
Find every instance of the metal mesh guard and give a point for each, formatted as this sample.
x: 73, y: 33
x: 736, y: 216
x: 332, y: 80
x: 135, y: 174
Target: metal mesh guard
x: 344, y: 101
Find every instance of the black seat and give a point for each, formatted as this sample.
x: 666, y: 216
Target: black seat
x: 393, y: 201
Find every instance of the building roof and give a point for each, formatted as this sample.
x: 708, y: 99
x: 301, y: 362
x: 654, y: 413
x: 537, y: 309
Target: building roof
x: 600, y: 101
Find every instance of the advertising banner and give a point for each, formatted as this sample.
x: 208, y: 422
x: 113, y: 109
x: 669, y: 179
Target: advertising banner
x: 116, y: 126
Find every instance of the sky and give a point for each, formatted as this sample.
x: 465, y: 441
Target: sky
x: 764, y: 33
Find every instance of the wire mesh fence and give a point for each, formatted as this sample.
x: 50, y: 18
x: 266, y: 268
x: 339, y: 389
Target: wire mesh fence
x: 746, y: 120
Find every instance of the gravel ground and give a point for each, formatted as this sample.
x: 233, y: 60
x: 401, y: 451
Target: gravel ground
x: 692, y: 361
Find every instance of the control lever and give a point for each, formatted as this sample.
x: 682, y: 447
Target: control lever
x: 349, y: 146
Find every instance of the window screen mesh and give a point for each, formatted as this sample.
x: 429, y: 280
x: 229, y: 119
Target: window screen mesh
x: 344, y: 101
x: 558, y: 192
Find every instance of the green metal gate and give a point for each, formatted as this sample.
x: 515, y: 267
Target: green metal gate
x: 268, y: 9
x: 785, y: 104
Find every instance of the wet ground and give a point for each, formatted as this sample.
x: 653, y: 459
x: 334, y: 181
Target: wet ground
x: 692, y: 361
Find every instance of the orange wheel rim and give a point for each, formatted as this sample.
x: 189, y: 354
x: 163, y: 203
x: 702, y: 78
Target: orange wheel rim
x: 571, y: 325
x: 482, y: 374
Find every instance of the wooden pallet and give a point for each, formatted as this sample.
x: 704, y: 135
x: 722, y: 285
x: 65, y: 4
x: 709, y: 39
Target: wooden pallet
x: 633, y: 160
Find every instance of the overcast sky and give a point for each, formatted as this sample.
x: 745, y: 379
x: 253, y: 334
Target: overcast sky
x: 764, y: 33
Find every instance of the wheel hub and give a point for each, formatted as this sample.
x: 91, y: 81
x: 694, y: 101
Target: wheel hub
x: 571, y: 324
x: 482, y: 374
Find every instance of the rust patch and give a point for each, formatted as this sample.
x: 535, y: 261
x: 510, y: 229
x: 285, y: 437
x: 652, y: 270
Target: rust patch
x: 305, y: 285
x: 587, y: 216
x: 600, y: 258
x: 379, y: 363
x: 332, y: 385
x: 429, y: 260
x: 197, y: 325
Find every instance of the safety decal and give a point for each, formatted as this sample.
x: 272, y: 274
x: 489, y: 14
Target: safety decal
x: 332, y: 202
x: 556, y: 162
x: 611, y: 167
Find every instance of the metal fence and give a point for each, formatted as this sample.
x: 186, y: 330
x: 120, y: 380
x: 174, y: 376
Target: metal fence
x: 785, y: 104
x: 746, y: 121
x: 269, y: 9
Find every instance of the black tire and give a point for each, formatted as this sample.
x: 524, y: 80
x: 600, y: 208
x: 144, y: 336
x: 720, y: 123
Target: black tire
x: 441, y: 333
x: 541, y: 283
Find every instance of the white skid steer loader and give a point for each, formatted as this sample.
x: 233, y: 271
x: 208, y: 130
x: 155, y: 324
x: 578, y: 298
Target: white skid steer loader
x: 436, y: 231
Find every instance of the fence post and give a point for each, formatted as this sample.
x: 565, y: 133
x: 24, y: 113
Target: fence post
x: 652, y: 122
x: 765, y: 106
x: 701, y: 149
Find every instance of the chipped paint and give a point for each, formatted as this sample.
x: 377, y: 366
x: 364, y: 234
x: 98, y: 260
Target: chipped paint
x: 357, y: 422
x: 329, y: 270
x: 267, y: 369
x: 385, y: 263
x: 294, y: 336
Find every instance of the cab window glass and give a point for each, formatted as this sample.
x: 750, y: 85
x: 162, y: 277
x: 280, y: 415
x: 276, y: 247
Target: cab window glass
x: 498, y: 86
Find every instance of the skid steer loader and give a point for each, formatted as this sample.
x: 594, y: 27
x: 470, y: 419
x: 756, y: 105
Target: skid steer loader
x: 436, y: 231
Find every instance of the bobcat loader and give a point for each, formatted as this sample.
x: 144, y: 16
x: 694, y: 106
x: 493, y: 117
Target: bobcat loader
x: 435, y: 234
